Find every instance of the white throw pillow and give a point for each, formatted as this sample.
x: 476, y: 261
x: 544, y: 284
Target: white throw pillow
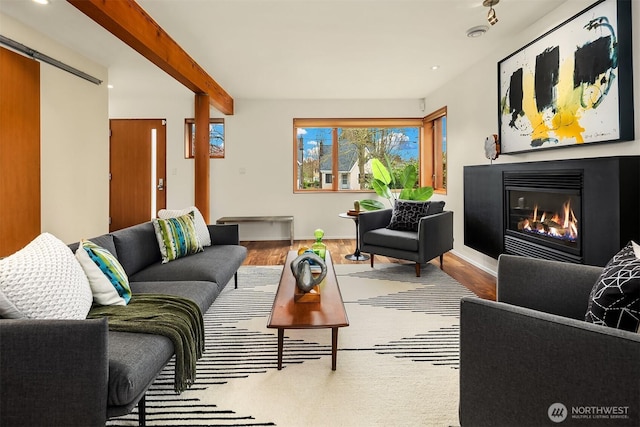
x: 8, y: 310
x: 201, y: 226
x: 103, y: 289
x: 44, y: 280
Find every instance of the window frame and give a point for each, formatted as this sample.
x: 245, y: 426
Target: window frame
x: 189, y: 145
x: 334, y: 124
x: 433, y: 168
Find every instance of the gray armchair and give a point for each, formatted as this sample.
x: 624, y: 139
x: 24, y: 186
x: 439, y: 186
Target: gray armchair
x: 530, y: 359
x: 433, y: 238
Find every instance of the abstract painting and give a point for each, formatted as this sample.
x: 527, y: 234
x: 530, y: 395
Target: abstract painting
x: 572, y: 86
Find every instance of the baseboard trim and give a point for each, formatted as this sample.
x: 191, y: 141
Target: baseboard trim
x: 473, y: 262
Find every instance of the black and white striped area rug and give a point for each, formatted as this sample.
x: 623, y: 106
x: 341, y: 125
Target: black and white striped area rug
x: 397, y: 360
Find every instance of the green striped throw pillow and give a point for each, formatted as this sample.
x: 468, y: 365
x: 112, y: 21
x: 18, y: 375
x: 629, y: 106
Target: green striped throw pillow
x: 177, y: 237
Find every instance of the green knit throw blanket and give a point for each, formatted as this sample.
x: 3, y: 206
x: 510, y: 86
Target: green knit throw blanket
x: 179, y: 319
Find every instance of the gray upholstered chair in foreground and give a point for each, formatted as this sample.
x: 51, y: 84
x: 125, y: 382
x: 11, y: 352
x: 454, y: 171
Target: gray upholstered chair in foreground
x: 530, y: 359
x: 433, y: 238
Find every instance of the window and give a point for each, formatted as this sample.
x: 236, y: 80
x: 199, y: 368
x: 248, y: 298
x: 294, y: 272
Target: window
x: 345, y: 181
x: 216, y: 138
x: 343, y: 148
x: 434, y: 171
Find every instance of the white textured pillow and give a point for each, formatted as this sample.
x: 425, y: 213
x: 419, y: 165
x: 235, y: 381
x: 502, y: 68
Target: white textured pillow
x: 8, y: 310
x: 201, y: 226
x: 44, y: 280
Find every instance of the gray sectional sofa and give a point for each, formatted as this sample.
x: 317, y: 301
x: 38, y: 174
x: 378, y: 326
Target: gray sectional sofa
x: 77, y: 372
x: 530, y: 358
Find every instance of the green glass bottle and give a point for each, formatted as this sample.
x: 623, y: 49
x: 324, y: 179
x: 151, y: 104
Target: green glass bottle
x: 318, y: 247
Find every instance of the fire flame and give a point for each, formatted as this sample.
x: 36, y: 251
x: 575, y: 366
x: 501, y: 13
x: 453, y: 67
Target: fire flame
x: 562, y: 226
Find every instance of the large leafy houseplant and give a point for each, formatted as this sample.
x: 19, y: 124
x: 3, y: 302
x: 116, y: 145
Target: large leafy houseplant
x: 407, y: 180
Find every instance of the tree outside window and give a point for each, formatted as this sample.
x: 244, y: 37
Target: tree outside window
x: 216, y: 138
x: 345, y: 148
x: 434, y: 171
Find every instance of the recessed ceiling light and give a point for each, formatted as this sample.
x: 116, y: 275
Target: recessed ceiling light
x: 477, y: 31
x: 41, y: 1
x: 435, y: 67
x: 109, y: 86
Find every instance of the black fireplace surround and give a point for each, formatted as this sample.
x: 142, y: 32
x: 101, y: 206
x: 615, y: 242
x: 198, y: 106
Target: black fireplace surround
x: 580, y: 211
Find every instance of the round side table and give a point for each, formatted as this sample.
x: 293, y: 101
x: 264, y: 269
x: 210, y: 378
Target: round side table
x: 356, y: 256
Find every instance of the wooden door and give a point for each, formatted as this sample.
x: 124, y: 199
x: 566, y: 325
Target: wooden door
x: 137, y: 161
x: 19, y: 151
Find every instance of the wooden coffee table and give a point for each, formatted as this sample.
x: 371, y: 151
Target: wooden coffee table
x: 288, y: 314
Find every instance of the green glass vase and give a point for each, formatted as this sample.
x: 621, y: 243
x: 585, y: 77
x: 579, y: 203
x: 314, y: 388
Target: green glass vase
x: 318, y: 247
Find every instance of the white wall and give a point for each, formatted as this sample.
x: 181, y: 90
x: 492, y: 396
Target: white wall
x: 256, y: 175
x: 74, y: 140
x: 472, y: 115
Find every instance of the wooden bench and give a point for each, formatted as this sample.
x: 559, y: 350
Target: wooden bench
x: 277, y: 218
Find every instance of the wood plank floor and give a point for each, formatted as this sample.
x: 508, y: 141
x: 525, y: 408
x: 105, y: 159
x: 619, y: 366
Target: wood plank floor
x: 274, y: 252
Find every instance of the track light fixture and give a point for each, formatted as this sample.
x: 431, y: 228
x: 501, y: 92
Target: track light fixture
x: 491, y: 16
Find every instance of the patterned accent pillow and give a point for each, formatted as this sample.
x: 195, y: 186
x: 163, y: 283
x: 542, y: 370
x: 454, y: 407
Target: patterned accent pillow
x: 615, y: 298
x: 406, y: 215
x: 177, y: 237
x: 43, y: 280
x: 108, y: 280
x: 200, y: 223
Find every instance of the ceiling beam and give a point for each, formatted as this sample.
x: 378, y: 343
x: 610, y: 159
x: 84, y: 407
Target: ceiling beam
x: 130, y: 23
